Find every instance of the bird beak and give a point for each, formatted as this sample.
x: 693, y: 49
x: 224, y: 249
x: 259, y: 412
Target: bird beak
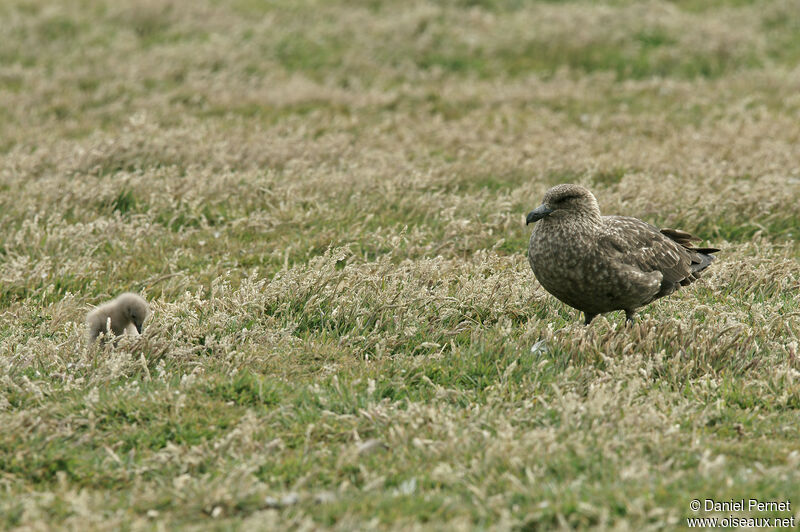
x: 537, y: 214
x: 139, y: 328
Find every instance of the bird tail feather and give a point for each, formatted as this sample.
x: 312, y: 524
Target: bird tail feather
x: 705, y: 259
x: 703, y: 256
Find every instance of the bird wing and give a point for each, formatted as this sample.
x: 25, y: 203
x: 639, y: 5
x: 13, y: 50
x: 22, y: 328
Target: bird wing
x: 643, y: 246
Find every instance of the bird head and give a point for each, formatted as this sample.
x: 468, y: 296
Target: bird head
x: 135, y: 309
x: 565, y: 200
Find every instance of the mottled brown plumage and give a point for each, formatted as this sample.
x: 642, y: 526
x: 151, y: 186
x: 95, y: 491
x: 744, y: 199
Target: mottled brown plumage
x: 597, y: 263
x: 126, y: 311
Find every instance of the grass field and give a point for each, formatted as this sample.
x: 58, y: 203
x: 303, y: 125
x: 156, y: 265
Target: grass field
x: 324, y: 202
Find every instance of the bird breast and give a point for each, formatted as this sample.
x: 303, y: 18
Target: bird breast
x: 561, y: 257
x: 560, y: 246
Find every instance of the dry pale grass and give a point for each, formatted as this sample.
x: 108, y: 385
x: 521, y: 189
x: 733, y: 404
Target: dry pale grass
x: 324, y: 204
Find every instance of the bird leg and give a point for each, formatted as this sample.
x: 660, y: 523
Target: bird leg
x: 629, y: 315
x: 588, y: 318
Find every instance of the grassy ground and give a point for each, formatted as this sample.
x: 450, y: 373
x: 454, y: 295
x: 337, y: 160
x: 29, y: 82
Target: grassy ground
x: 324, y: 201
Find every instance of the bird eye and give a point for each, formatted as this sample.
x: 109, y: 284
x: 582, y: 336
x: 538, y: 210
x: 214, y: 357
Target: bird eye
x: 564, y: 199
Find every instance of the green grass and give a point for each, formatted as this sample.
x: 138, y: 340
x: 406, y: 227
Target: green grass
x: 324, y: 204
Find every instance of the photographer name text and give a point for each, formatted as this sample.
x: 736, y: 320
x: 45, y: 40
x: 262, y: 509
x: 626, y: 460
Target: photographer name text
x: 742, y: 505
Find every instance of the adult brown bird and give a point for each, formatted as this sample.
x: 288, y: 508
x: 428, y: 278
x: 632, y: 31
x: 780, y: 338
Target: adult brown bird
x: 598, y: 263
